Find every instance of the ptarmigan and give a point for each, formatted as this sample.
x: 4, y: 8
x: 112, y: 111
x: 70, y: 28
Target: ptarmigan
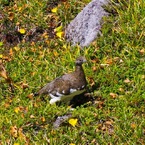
x: 67, y: 86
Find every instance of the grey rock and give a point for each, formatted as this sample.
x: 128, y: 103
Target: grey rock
x: 87, y: 24
x: 60, y: 120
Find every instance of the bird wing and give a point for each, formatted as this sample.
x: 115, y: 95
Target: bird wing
x: 57, y: 86
x: 75, y: 80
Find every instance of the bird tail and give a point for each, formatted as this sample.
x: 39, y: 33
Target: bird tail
x: 35, y: 94
x: 40, y: 92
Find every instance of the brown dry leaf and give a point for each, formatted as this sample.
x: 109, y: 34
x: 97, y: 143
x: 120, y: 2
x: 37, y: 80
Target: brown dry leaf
x: 109, y: 61
x: 109, y: 122
x: 100, y: 104
x: 106, y: 126
x: 7, y: 141
x: 32, y: 116
x: 3, y: 72
x: 32, y: 43
x: 35, y: 105
x: 94, y: 68
x: 21, y: 134
x: 17, y: 132
x: 127, y: 81
x: 133, y: 125
x: 94, y: 141
x: 6, y: 58
x: 121, y: 89
x: 24, y: 85
x: 116, y: 59
x: 33, y: 73
x: 11, y: 52
x: 45, y: 35
x: 22, y: 115
x: 95, y: 60
x: 30, y: 96
x: 43, y: 119
x: 55, y: 53
x: 142, y: 51
x: 23, y: 109
x: 6, y: 105
x: 11, y: 16
x: 14, y: 131
x: 91, y: 81
x: 33, y: 49
x: 113, y: 95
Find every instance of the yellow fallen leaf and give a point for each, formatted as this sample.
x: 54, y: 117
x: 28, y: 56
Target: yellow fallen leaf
x: 54, y: 10
x: 22, y: 31
x: 73, y: 122
x: 17, y: 109
x: 16, y: 48
x: 58, y: 29
x: 55, y: 53
x: 16, y: 144
x: 64, y: 46
x: 20, y: 8
x: 72, y: 144
x: 1, y: 43
x: 59, y: 34
x: 1, y: 56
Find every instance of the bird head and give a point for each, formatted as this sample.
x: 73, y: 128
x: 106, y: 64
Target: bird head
x: 80, y: 60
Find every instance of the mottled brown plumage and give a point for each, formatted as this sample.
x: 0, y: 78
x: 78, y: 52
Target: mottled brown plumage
x: 68, y: 85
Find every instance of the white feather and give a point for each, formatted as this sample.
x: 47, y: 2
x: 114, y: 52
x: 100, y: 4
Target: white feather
x: 58, y: 94
x: 73, y: 90
x: 55, y: 99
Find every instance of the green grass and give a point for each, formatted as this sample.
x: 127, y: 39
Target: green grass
x: 115, y: 71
